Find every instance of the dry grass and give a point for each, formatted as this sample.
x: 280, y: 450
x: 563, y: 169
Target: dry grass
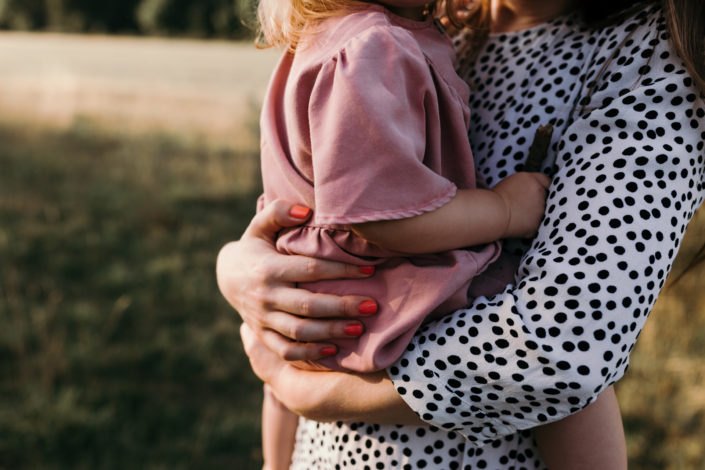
x: 662, y: 396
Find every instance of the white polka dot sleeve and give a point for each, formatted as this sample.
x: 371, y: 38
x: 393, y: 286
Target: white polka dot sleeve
x: 628, y: 176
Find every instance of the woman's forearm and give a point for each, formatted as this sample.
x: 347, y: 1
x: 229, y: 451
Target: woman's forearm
x: 338, y: 396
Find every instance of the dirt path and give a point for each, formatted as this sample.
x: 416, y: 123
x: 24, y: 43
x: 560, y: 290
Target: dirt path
x: 209, y: 87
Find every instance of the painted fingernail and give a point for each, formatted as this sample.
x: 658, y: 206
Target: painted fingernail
x: 299, y: 212
x: 367, y: 269
x: 368, y: 307
x: 353, y: 329
x: 328, y: 351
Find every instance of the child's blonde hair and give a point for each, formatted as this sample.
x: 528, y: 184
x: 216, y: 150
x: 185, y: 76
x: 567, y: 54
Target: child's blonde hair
x: 282, y: 22
x: 285, y: 22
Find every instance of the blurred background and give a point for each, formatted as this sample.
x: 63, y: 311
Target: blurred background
x: 128, y: 156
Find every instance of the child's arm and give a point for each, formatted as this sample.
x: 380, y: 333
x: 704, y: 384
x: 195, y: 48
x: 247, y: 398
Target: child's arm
x: 513, y: 208
x: 589, y: 439
x: 278, y: 432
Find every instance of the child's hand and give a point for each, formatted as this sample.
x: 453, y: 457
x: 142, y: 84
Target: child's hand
x: 524, y: 195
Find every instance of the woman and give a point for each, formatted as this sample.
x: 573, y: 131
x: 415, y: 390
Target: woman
x: 627, y: 161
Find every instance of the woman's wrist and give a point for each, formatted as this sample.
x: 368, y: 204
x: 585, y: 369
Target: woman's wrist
x: 339, y: 396
x: 328, y: 396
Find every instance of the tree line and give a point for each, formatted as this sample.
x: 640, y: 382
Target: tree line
x: 199, y: 18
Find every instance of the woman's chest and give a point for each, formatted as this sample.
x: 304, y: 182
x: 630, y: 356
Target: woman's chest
x: 514, y: 91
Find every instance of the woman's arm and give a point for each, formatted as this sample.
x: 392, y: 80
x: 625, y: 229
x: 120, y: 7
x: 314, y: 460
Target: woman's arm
x: 260, y: 284
x: 627, y: 183
x: 328, y: 396
x: 513, y: 208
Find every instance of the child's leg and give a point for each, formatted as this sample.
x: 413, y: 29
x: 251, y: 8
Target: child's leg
x: 590, y: 439
x: 278, y: 432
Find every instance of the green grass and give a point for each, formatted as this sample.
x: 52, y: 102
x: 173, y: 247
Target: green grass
x: 116, y: 348
x: 118, y: 352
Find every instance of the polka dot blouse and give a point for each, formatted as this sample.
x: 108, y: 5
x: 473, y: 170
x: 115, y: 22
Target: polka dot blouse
x: 627, y: 165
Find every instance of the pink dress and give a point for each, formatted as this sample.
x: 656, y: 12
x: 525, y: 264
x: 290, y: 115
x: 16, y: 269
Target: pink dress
x: 368, y: 121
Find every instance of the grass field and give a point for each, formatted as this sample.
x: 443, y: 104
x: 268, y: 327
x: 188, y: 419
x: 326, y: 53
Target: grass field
x: 189, y: 87
x: 116, y: 349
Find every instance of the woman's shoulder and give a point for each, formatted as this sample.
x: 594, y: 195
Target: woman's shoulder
x: 641, y: 28
x: 633, y: 55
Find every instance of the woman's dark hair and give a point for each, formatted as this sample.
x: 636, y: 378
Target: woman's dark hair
x: 686, y: 26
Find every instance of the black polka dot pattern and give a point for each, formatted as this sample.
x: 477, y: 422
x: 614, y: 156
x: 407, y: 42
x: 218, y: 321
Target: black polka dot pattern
x: 627, y: 160
x: 370, y: 446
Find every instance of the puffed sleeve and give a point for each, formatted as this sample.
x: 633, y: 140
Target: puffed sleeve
x: 368, y: 113
x: 629, y: 176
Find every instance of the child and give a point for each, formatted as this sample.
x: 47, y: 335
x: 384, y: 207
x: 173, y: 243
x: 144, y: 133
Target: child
x: 366, y: 121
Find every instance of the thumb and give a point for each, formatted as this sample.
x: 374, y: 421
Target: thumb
x: 543, y: 179
x: 264, y: 362
x: 275, y: 216
x: 248, y: 338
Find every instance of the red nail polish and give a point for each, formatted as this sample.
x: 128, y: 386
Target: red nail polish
x: 299, y: 212
x: 367, y: 269
x: 353, y: 329
x: 329, y: 351
x: 368, y: 307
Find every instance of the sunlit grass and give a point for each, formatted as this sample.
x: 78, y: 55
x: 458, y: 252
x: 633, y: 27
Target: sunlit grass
x: 662, y: 396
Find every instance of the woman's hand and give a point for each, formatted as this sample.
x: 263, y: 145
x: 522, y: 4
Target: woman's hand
x: 260, y: 283
x: 328, y: 396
